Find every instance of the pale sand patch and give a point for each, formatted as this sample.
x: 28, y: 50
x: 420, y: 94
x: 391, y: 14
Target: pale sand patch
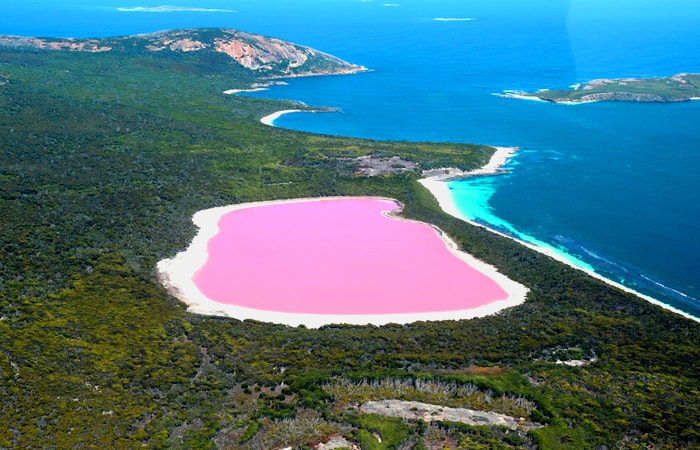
x: 519, y: 96
x: 269, y: 120
x: 177, y: 275
x: 437, y: 185
x: 436, y: 413
x: 523, y: 96
x: 238, y: 91
x: 499, y: 158
x: 256, y: 87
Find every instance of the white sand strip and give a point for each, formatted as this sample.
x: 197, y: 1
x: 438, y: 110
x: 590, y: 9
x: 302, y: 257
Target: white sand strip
x: 519, y: 96
x: 177, y: 274
x: 437, y: 185
x: 499, y: 158
x: 269, y: 120
x: 495, y: 166
x: 238, y: 91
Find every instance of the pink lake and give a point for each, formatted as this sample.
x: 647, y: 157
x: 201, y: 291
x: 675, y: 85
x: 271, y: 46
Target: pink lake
x: 337, y: 256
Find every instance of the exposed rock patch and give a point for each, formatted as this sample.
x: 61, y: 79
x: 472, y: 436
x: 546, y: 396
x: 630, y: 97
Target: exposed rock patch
x: 435, y: 413
x: 337, y: 442
x: 624, y: 97
x: 371, y: 166
x: 268, y: 57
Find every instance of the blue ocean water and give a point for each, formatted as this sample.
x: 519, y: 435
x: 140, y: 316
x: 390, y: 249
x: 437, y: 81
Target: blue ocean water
x: 613, y: 185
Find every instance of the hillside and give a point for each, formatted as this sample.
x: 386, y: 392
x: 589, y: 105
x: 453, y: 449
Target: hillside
x: 226, y: 49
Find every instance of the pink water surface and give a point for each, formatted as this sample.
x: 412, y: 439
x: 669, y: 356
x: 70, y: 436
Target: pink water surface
x: 337, y: 256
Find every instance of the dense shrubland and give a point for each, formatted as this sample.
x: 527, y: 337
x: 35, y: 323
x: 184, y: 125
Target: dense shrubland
x: 104, y: 160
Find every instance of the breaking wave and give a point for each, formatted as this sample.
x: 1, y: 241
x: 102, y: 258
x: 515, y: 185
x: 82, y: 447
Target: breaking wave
x: 165, y: 8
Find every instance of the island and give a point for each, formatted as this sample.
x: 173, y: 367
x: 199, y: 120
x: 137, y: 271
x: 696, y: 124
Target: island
x: 677, y: 88
x: 111, y: 147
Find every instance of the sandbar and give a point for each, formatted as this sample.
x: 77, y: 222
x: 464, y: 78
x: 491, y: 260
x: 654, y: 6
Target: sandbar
x: 180, y: 275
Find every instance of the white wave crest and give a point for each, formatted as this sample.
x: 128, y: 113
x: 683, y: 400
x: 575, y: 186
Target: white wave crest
x: 454, y: 19
x: 166, y: 8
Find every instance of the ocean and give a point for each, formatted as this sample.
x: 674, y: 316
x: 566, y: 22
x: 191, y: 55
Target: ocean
x: 612, y: 186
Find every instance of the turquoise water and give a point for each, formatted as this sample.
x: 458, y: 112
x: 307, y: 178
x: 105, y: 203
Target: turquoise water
x: 612, y: 185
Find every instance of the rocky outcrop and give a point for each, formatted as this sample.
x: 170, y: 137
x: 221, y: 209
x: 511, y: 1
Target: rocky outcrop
x: 623, y: 97
x: 265, y: 56
x: 371, y: 166
x: 435, y: 413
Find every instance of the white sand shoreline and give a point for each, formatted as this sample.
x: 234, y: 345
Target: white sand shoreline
x: 437, y: 185
x: 494, y: 166
x: 534, y: 98
x: 238, y: 91
x: 269, y: 119
x: 177, y: 273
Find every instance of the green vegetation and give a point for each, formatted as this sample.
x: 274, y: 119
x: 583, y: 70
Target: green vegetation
x: 677, y: 88
x: 381, y: 433
x: 105, y: 159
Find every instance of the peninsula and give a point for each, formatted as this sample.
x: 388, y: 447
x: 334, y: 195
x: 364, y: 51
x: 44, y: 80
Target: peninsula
x: 677, y: 88
x: 216, y: 49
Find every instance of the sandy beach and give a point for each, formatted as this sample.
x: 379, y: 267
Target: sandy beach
x: 269, y: 120
x: 532, y: 97
x: 437, y: 184
x: 256, y: 87
x: 238, y: 91
x: 494, y: 166
x: 177, y: 274
x: 518, y: 95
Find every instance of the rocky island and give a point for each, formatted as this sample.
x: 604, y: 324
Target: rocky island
x: 677, y: 88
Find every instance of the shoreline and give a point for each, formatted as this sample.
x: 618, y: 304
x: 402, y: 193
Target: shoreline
x: 494, y: 166
x: 535, y: 98
x: 269, y: 119
x: 437, y: 186
x: 177, y: 273
x: 238, y: 91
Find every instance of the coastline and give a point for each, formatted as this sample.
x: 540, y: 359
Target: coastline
x: 255, y: 87
x: 177, y: 273
x: 494, y: 166
x: 535, y: 98
x: 437, y: 185
x: 269, y: 119
x: 238, y: 91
